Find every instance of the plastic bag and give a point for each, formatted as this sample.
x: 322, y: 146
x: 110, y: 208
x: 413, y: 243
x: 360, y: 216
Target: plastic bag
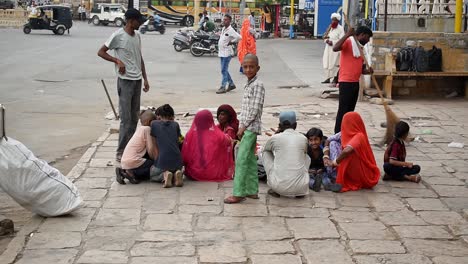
x: 33, y: 183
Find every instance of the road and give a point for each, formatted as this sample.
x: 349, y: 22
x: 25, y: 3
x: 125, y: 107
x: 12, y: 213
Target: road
x: 51, y: 87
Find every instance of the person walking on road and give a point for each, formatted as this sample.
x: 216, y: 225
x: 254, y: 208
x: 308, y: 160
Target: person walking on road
x: 351, y: 68
x: 130, y: 69
x: 330, y: 58
x: 228, y: 37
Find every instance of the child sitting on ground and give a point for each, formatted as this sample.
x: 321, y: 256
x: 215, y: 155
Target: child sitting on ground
x: 140, y: 152
x: 395, y: 166
x: 317, y: 172
x: 168, y: 165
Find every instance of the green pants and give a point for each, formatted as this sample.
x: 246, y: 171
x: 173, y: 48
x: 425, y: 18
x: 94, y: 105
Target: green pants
x: 246, y: 177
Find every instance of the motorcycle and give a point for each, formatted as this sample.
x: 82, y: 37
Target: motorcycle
x: 182, y: 40
x: 204, y: 43
x: 149, y: 26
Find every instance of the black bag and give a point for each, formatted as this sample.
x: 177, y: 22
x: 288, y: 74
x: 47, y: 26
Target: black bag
x: 421, y: 60
x: 435, y: 59
x: 404, y: 59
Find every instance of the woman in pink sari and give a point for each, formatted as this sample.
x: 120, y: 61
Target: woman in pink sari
x: 207, y: 151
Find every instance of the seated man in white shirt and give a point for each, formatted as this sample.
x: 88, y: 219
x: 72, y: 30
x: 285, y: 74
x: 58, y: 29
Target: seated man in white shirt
x: 285, y: 159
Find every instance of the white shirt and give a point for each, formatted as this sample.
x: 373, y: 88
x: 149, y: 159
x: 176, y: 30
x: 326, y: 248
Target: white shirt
x: 227, y: 35
x: 33, y: 11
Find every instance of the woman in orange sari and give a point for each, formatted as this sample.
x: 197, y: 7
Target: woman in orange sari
x: 356, y: 164
x: 247, y: 44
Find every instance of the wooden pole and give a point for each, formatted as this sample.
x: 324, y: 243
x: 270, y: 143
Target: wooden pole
x: 110, y: 100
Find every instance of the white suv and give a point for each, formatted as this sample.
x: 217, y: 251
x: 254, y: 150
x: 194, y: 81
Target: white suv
x: 108, y: 13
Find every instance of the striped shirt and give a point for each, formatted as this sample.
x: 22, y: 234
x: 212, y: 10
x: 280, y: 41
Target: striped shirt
x: 252, y: 106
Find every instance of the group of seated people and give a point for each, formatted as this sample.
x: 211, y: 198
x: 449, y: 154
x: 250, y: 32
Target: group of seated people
x: 294, y: 162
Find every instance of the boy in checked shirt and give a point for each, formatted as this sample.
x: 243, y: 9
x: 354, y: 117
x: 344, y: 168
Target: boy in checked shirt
x: 246, y: 179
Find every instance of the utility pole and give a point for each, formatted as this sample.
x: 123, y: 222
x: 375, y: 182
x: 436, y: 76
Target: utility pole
x: 458, y: 16
x: 196, y: 11
x: 241, y: 13
x: 291, y: 21
x: 353, y: 13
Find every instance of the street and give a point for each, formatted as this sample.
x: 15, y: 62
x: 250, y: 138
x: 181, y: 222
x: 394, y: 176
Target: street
x: 56, y: 106
x: 52, y: 91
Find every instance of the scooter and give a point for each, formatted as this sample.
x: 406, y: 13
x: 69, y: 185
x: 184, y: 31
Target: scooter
x: 183, y: 40
x: 149, y: 26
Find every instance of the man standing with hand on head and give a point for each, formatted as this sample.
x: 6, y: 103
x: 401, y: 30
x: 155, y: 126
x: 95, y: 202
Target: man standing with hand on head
x: 351, y: 67
x: 130, y: 69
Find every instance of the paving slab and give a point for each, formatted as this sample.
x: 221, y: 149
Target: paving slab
x: 168, y: 222
x: 165, y: 236
x: 110, y: 238
x: 123, y: 202
x: 451, y: 191
x: 370, y: 230
x: 245, y: 210
x: 100, y: 172
x: 385, y: 202
x: 218, y: 236
x: 266, y: 228
x: 376, y: 247
x: 163, y: 249
x: 223, y: 253
x: 293, y: 212
x: 444, y: 181
x: 434, y: 248
x: 459, y: 230
x: 429, y: 232
x: 406, y: 193
x: 76, y: 221
x: 164, y: 260
x: 54, y: 240
x: 441, y: 217
x: 314, y: 228
x: 275, y: 259
x: 426, y: 204
x: 102, y: 256
x: 271, y: 247
x: 352, y: 216
x: 42, y: 256
x: 450, y: 260
x: 219, y: 223
x: 331, y: 252
x: 393, y: 258
x: 200, y: 209
x: 117, y: 217
x: 92, y: 183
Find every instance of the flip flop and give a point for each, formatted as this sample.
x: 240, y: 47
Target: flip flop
x: 233, y: 200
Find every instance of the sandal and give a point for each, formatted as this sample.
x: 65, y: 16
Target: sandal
x: 130, y: 177
x: 233, y: 200
x: 253, y: 196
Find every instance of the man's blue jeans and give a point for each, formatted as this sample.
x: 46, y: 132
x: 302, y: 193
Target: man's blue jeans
x: 225, y: 72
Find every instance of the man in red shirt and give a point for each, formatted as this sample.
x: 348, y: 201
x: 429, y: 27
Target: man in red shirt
x: 351, y: 68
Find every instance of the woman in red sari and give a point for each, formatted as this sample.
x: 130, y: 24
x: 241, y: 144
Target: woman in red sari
x: 207, y: 151
x: 227, y: 119
x: 357, y: 168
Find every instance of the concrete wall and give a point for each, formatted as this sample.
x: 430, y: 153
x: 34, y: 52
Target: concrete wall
x: 13, y: 18
x: 454, y: 58
x: 410, y: 24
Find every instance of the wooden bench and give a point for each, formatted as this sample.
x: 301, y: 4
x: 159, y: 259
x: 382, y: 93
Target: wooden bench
x: 390, y: 72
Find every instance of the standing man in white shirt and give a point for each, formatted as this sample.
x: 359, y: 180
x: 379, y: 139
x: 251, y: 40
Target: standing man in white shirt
x: 228, y: 37
x: 130, y: 70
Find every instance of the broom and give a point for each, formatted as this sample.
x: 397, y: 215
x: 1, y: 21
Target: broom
x: 392, y: 118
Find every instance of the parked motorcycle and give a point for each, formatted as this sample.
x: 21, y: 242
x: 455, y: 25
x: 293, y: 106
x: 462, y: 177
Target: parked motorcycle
x: 204, y: 43
x: 149, y: 26
x: 182, y: 40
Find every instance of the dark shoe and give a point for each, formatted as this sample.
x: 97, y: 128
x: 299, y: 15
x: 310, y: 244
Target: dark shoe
x: 334, y: 187
x: 231, y: 87
x: 326, y: 81
x: 119, y: 176
x: 221, y: 90
x: 273, y: 193
x: 317, y: 183
x: 300, y: 197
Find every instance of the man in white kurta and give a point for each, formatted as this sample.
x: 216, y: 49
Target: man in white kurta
x: 330, y: 58
x: 285, y: 159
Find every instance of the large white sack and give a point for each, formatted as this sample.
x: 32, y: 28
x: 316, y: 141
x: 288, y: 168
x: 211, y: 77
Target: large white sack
x: 33, y: 183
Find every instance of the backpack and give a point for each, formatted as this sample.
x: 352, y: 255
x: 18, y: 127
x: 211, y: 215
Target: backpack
x: 405, y: 58
x: 435, y: 59
x: 421, y: 60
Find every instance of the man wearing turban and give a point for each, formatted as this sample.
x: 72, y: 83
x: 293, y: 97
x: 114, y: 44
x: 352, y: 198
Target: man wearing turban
x: 330, y: 58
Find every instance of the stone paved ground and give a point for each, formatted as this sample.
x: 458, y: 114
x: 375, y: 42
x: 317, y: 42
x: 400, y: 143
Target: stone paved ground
x: 396, y: 222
